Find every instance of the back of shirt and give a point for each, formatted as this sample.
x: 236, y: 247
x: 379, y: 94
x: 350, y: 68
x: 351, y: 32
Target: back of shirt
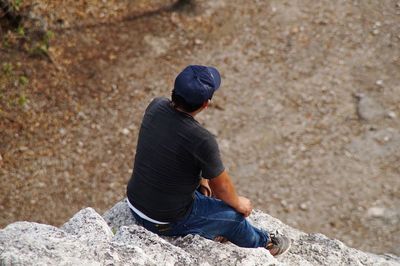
x: 173, y: 152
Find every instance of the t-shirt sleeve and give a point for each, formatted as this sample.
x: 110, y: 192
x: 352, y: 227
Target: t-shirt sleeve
x: 209, y: 158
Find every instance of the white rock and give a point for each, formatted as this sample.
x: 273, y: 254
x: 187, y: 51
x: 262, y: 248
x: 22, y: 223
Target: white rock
x: 348, y: 154
x: 125, y: 131
x: 86, y: 239
x: 24, y: 243
x: 198, y: 41
x: 376, y: 212
x: 368, y: 109
x: 303, y: 206
x: 119, y: 215
x: 82, y: 115
x: 391, y: 114
x: 23, y: 148
x: 155, y: 248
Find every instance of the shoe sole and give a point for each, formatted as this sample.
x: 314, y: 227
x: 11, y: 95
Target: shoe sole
x: 286, y: 251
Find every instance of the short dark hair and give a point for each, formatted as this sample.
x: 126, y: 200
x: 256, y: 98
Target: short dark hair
x: 180, y: 102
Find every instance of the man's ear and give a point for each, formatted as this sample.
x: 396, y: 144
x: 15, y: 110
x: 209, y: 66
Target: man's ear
x: 206, y: 103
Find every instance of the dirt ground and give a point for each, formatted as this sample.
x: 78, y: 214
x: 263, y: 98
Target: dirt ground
x: 307, y: 117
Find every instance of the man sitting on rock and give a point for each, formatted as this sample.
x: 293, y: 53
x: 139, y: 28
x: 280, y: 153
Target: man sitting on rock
x: 173, y: 153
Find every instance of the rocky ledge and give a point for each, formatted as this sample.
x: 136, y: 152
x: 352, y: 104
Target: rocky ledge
x: 114, y: 239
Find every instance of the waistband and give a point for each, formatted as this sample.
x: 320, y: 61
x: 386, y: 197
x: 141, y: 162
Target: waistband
x: 142, y: 215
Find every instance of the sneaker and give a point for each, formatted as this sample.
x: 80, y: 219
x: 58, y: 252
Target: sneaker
x: 278, y: 244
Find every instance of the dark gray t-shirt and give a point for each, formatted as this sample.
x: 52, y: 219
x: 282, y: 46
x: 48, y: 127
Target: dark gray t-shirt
x: 173, y: 152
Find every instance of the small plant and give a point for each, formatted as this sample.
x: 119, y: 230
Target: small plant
x: 49, y: 35
x: 5, y: 43
x: 42, y: 47
x: 22, y: 100
x: 39, y: 49
x: 23, y: 80
x: 21, y: 31
x: 16, y: 4
x: 7, y: 68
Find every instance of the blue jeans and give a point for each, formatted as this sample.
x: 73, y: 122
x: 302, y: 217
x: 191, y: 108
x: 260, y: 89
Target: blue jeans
x: 210, y: 218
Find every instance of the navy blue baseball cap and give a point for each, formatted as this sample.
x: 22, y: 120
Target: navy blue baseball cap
x: 196, y: 84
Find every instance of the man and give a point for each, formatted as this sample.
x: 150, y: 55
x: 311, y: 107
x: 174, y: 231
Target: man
x: 173, y: 153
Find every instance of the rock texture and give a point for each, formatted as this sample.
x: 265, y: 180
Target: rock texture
x: 114, y: 239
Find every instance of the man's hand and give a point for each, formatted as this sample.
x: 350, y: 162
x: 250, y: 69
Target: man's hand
x: 244, y: 206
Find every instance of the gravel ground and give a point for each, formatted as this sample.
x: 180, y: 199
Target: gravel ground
x: 307, y: 117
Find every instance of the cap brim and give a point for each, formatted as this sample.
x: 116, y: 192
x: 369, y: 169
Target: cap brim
x: 216, y: 76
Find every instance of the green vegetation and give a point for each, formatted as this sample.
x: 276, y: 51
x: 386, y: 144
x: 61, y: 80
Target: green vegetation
x: 12, y: 87
x: 21, y: 39
x: 21, y: 31
x: 15, y: 5
x: 23, y: 80
x: 41, y: 47
x: 19, y: 36
x: 22, y: 100
x: 7, y: 69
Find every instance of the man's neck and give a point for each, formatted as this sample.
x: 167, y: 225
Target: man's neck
x: 183, y: 111
x: 189, y: 113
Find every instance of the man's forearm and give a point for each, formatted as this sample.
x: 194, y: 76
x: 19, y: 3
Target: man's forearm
x: 223, y: 189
